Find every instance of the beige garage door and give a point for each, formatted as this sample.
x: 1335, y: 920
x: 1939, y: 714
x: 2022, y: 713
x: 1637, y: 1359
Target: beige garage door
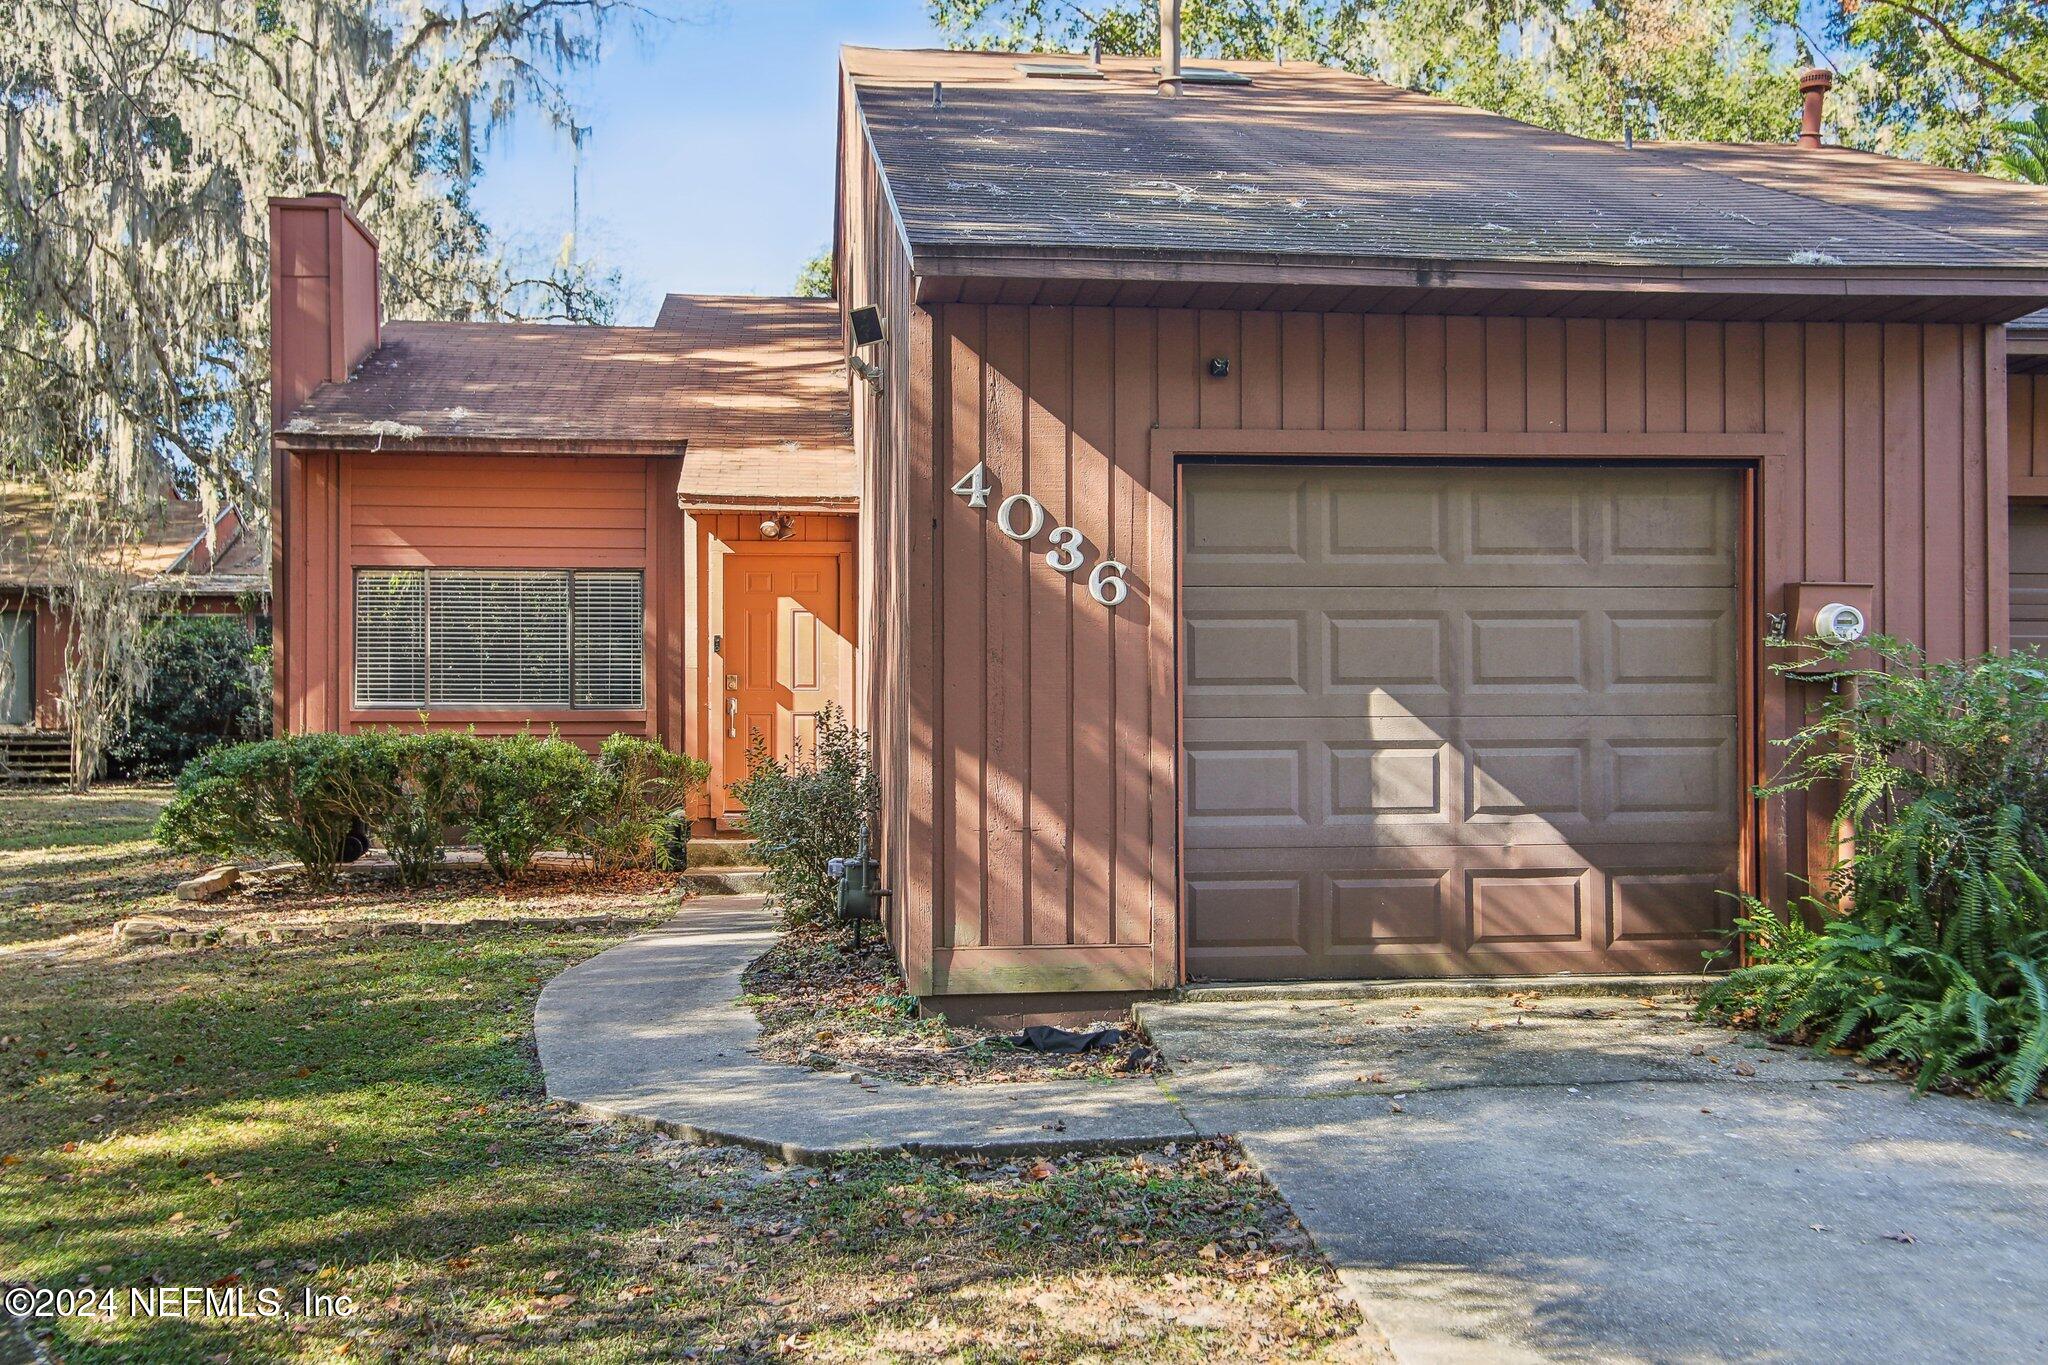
x: 2029, y: 577
x: 1448, y: 721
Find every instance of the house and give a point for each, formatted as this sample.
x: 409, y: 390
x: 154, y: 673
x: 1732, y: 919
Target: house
x: 213, y: 567
x: 1280, y: 525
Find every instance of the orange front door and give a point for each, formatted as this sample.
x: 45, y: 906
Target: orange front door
x: 785, y: 655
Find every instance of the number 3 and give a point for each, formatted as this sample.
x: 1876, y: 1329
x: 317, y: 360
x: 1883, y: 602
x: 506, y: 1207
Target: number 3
x: 1106, y: 583
x: 1065, y: 556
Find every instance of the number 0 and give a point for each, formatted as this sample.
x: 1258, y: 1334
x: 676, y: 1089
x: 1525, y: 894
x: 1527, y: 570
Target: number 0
x: 1032, y: 505
x: 1106, y: 583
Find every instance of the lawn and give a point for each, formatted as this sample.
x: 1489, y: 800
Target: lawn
x: 364, y: 1117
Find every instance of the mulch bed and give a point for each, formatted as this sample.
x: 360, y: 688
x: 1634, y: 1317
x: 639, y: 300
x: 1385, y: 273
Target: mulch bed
x: 825, y: 1006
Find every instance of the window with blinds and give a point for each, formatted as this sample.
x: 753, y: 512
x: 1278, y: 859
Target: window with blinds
x: 540, y: 638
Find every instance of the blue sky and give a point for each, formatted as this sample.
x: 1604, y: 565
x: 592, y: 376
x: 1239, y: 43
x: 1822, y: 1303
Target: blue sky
x: 709, y: 165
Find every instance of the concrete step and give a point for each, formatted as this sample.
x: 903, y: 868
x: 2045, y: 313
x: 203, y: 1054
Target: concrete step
x: 1685, y: 987
x: 726, y: 881
x: 721, y: 852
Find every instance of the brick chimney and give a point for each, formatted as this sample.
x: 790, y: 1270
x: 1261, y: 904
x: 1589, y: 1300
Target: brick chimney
x: 324, y: 319
x: 1814, y: 84
x: 324, y: 311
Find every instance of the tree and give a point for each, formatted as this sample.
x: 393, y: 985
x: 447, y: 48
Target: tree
x: 814, y: 281
x: 1950, y: 81
x: 2026, y: 148
x: 143, y: 138
x: 142, y: 141
x: 94, y: 559
x: 1716, y: 69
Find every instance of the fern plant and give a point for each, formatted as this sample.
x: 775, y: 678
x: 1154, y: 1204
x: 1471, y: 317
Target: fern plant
x: 1932, y: 949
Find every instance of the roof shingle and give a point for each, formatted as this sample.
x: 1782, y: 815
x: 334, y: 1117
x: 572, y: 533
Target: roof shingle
x: 1310, y: 162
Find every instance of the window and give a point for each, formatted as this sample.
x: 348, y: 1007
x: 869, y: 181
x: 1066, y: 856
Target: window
x: 541, y: 638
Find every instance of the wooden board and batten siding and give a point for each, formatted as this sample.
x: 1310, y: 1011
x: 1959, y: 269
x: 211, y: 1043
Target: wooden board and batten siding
x: 1032, y: 767
x: 356, y: 510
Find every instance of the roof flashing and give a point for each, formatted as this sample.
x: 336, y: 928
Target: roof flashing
x: 1060, y: 71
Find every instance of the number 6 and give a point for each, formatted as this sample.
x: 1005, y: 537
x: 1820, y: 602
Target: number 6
x: 1106, y: 583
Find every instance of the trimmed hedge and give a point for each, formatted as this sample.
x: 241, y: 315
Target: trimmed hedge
x: 301, y: 796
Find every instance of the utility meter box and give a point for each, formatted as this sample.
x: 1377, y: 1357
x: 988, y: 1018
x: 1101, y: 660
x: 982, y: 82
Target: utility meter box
x: 1828, y: 615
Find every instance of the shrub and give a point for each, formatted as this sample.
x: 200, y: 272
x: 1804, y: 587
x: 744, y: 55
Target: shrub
x: 415, y: 785
x: 1933, y: 942
x: 209, y: 685
x: 637, y: 793
x: 527, y: 795
x: 298, y: 796
x: 806, y: 809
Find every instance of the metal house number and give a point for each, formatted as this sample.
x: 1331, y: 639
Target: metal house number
x: 1021, y: 517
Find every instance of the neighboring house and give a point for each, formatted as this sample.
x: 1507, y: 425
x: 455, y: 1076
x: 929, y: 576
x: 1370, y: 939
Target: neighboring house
x: 218, y: 572
x: 1304, y: 528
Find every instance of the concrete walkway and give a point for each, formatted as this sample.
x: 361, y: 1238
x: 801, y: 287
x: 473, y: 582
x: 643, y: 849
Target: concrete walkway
x: 1580, y: 1179
x: 651, y: 1031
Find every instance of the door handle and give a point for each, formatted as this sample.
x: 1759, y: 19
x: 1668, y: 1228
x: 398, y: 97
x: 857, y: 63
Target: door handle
x: 732, y: 717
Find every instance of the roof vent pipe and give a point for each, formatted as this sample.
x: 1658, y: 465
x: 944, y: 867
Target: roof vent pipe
x: 1169, y: 47
x: 1814, y: 84
x: 938, y: 95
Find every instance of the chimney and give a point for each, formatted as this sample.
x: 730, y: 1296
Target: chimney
x: 1169, y: 47
x: 1814, y: 84
x: 324, y: 312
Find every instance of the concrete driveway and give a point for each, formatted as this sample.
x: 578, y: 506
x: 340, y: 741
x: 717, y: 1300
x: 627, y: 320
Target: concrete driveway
x: 1546, y: 1178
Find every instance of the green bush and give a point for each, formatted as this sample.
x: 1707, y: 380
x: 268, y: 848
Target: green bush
x: 637, y: 794
x: 1932, y: 949
x: 298, y: 796
x: 209, y: 685
x: 416, y: 784
x: 806, y: 809
x: 528, y: 794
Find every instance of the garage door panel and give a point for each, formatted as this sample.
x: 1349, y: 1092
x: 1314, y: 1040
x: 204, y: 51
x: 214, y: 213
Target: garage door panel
x: 1469, y: 781
x: 1480, y: 721
x: 1445, y: 651
x: 1391, y: 912
x: 1380, y: 527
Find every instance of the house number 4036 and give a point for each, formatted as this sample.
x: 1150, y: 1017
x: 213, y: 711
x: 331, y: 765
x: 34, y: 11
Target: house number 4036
x: 1021, y: 517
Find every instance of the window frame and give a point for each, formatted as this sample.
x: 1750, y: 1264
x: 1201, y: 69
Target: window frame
x: 568, y: 577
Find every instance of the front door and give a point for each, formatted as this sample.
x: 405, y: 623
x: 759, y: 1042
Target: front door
x: 785, y: 656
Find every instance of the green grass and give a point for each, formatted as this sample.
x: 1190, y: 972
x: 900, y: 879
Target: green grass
x: 365, y: 1117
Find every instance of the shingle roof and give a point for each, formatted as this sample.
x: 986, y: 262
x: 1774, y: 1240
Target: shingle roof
x: 717, y: 373
x: 1308, y: 162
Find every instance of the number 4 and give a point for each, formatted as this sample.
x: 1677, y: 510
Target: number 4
x: 973, y: 486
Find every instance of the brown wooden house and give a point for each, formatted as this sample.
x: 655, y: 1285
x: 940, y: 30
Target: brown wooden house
x: 1293, y: 527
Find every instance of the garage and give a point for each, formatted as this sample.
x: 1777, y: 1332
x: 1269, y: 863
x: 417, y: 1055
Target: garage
x: 2029, y: 576
x: 1458, y: 720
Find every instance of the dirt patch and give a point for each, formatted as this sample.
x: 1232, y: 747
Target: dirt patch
x: 823, y: 1005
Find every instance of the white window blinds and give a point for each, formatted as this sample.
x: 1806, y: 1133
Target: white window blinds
x: 609, y: 640
x: 391, y: 634
x: 499, y: 637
